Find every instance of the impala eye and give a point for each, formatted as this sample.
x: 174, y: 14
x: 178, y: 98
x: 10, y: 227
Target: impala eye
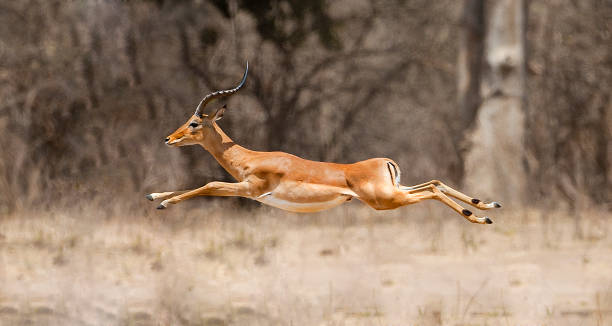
x: 193, y: 125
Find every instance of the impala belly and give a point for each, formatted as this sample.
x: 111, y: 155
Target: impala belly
x: 304, y: 197
x: 306, y: 207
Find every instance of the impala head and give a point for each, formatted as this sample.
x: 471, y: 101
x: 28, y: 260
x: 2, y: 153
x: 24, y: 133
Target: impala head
x: 200, y: 125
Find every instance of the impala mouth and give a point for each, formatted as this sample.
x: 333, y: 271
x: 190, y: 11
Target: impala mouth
x: 172, y: 142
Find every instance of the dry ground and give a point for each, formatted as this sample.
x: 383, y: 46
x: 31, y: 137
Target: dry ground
x: 206, y: 264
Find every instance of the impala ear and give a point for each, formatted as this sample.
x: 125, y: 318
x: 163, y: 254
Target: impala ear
x: 219, y: 113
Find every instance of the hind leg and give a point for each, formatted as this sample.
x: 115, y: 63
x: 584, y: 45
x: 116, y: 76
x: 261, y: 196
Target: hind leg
x: 454, y: 193
x: 432, y: 192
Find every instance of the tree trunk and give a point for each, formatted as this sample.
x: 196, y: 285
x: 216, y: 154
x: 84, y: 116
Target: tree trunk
x: 469, y: 71
x: 471, y: 46
x: 494, y: 164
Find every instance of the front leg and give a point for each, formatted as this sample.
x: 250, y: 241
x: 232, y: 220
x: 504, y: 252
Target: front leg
x: 163, y: 195
x: 215, y: 188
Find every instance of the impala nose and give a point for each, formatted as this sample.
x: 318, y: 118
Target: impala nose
x: 167, y: 139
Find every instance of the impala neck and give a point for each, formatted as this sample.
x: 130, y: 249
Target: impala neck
x: 230, y: 155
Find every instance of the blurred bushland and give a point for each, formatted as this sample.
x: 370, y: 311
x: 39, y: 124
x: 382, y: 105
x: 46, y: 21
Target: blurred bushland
x: 89, y: 89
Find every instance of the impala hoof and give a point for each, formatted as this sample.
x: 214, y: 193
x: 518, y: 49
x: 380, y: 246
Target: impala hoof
x: 149, y: 197
x: 161, y: 206
x: 492, y: 204
x: 488, y: 220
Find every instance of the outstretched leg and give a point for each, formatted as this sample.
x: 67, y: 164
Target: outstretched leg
x: 432, y: 192
x: 454, y: 193
x: 214, y: 188
x: 163, y: 195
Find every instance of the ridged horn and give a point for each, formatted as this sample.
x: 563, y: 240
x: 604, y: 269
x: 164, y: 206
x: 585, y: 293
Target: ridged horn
x: 219, y: 94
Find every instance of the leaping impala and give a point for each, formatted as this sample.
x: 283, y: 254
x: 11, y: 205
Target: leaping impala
x: 294, y: 184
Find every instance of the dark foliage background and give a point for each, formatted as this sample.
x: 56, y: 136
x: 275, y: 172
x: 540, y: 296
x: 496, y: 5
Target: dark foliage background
x: 89, y: 89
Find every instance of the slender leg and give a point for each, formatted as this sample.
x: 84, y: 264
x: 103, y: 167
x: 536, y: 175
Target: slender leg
x: 163, y: 195
x: 454, y: 193
x: 214, y: 188
x: 432, y: 192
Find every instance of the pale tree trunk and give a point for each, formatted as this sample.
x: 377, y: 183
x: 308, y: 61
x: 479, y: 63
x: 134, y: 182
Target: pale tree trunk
x: 494, y: 163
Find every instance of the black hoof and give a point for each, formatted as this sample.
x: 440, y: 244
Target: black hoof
x: 497, y: 205
x: 149, y: 197
x: 161, y: 207
x: 488, y: 221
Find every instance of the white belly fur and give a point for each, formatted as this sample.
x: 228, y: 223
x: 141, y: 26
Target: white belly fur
x: 302, y: 207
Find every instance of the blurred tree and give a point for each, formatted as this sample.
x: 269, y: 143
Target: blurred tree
x: 288, y: 23
x: 469, y: 74
x: 495, y: 162
x: 290, y: 69
x: 570, y: 112
x: 111, y: 79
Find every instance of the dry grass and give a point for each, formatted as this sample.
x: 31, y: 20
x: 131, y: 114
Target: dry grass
x: 349, y: 266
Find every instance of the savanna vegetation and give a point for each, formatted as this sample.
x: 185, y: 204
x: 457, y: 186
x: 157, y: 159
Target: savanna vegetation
x: 507, y: 100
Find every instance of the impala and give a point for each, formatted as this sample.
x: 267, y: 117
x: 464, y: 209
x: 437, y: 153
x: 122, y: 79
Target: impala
x: 294, y: 184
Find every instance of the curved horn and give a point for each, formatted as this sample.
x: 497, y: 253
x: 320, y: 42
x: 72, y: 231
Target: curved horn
x: 219, y: 94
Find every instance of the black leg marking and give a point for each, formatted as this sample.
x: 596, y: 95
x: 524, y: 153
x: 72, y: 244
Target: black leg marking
x: 466, y: 212
x: 488, y: 221
x: 395, y: 174
x: 475, y: 201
